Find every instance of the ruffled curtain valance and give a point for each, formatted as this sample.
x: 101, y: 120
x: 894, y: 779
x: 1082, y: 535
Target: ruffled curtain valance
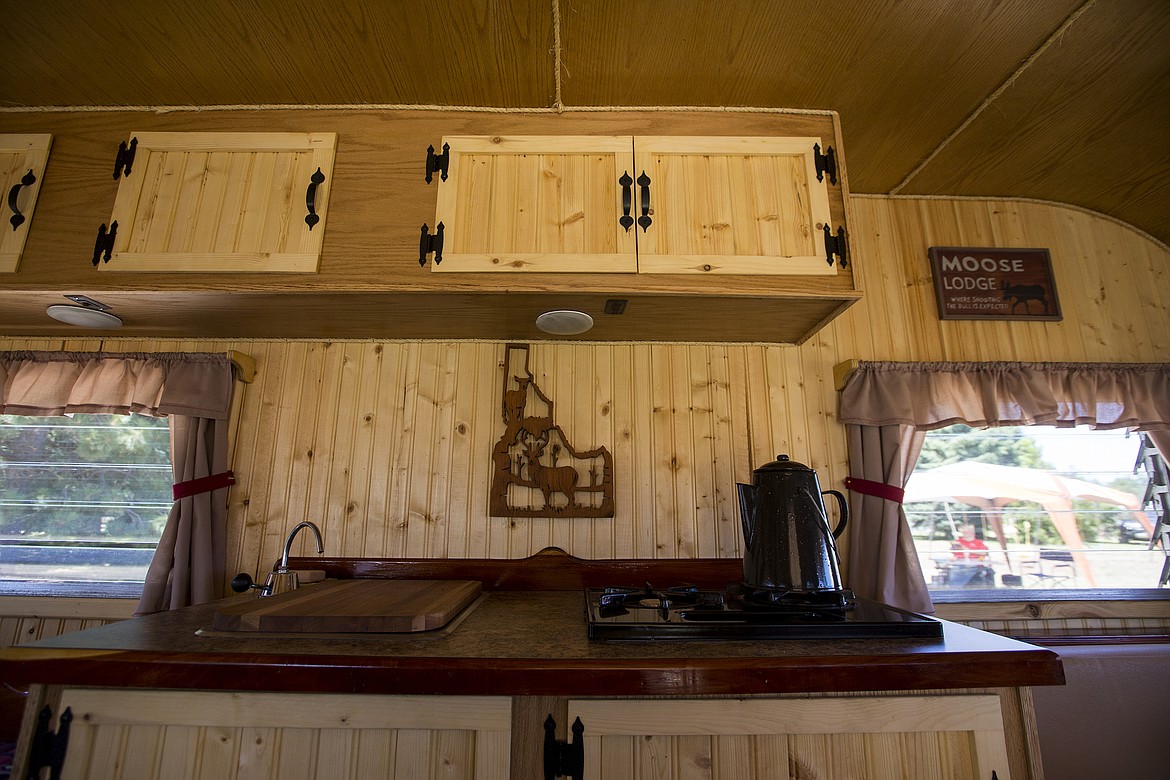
x: 41, y: 384
x: 928, y: 396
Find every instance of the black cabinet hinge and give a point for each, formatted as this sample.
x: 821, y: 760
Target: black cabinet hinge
x: 104, y: 246
x: 825, y: 163
x: 437, y: 163
x: 48, y: 748
x: 125, y: 158
x: 563, y: 759
x: 428, y: 243
x: 835, y: 245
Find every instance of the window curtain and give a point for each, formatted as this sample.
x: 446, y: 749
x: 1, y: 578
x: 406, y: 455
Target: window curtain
x: 193, y: 390
x: 887, y: 408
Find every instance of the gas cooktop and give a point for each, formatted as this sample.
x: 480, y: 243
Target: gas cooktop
x: 741, y: 612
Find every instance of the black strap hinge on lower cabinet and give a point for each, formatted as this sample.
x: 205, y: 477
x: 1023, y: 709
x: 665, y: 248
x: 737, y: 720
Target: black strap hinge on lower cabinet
x: 104, y: 246
x: 825, y: 163
x: 428, y: 243
x: 437, y: 163
x: 125, y: 158
x: 563, y: 759
x: 835, y: 245
x: 48, y: 748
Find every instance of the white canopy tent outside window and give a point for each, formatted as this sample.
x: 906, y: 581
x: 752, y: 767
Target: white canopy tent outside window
x: 991, y: 487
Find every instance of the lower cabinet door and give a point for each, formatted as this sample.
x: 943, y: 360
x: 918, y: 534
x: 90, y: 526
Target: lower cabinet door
x: 221, y: 735
x: 903, y: 737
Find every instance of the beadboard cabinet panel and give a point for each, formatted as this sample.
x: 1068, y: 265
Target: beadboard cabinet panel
x: 386, y: 444
x: 149, y: 733
x: 23, y: 159
x: 209, y: 202
x: 907, y: 738
x: 734, y: 206
x: 535, y: 203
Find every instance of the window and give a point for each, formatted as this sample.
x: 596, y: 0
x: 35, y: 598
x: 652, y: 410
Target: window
x: 1032, y: 507
x: 83, y: 499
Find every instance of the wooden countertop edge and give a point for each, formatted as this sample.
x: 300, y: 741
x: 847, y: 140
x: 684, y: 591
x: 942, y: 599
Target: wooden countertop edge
x: 525, y: 676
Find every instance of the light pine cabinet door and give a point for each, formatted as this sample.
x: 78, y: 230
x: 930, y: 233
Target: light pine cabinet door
x: 22, y: 167
x: 644, y: 204
x: 229, y: 736
x: 879, y: 738
x: 223, y: 202
x: 536, y: 204
x: 733, y: 206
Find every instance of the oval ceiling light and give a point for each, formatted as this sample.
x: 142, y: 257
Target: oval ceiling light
x: 564, y: 322
x: 83, y: 317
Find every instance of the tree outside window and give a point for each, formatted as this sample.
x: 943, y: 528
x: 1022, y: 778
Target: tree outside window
x: 82, y: 497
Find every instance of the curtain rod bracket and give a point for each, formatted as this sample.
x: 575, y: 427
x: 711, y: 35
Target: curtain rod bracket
x: 244, y: 365
x: 842, y: 372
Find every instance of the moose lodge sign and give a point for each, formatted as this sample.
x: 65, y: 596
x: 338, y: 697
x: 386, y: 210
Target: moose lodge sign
x: 993, y: 284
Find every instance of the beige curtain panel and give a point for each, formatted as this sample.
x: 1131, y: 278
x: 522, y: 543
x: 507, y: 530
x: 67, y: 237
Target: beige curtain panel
x: 194, y: 391
x: 887, y: 407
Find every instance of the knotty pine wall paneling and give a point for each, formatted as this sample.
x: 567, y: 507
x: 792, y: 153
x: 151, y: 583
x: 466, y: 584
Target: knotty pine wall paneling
x: 387, y: 445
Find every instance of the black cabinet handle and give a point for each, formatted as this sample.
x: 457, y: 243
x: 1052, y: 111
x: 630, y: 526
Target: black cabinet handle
x: 311, y: 196
x: 627, y: 201
x: 644, y: 195
x: 17, y: 219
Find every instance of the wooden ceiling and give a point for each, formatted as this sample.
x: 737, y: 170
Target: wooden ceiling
x: 1060, y: 100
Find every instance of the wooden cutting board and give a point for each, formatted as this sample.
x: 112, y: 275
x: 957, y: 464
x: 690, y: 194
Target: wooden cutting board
x: 353, y: 606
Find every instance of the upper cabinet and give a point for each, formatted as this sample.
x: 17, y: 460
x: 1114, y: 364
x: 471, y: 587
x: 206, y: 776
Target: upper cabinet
x: 211, y: 202
x: 22, y: 167
x: 535, y: 203
x: 645, y: 204
x: 289, y: 223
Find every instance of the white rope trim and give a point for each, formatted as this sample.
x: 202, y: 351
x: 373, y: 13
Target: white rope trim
x: 415, y: 107
x: 558, y: 103
x: 197, y: 344
x: 995, y: 95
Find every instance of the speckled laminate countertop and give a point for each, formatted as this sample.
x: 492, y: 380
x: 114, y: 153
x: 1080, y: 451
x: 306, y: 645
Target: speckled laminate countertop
x: 516, y: 643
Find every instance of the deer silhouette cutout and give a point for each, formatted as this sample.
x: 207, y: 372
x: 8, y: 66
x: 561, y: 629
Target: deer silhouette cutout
x: 549, y: 479
x: 1025, y: 294
x: 516, y: 400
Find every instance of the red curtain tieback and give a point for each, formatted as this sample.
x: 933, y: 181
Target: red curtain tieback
x: 880, y: 489
x: 203, y: 485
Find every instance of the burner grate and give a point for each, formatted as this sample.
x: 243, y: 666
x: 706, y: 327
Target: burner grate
x: 744, y: 612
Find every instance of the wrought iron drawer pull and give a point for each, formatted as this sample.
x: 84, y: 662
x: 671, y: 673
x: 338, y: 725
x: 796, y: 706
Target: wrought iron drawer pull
x: 17, y: 219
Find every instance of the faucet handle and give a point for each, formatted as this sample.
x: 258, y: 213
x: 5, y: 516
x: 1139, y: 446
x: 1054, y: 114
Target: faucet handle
x: 243, y: 582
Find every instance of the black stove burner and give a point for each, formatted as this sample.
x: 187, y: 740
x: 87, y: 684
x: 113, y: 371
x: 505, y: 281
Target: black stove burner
x: 795, y: 600
x: 743, y: 612
x: 619, y: 601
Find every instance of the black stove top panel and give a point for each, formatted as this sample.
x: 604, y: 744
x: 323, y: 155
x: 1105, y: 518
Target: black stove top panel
x: 741, y: 612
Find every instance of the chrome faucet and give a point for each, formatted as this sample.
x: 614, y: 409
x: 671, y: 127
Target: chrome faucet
x: 283, y: 568
x: 281, y: 580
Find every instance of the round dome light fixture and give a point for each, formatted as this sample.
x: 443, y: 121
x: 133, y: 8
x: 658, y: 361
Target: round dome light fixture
x: 83, y: 317
x: 564, y: 322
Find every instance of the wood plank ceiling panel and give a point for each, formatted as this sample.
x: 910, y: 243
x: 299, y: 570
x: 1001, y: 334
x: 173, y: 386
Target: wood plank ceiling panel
x: 1087, y: 123
x: 902, y: 74
x: 225, y: 52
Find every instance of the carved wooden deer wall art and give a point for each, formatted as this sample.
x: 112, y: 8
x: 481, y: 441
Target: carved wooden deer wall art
x: 536, y: 471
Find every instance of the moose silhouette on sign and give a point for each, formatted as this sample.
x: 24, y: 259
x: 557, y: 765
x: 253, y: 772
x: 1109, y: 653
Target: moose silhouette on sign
x: 1025, y: 294
x: 527, y: 478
